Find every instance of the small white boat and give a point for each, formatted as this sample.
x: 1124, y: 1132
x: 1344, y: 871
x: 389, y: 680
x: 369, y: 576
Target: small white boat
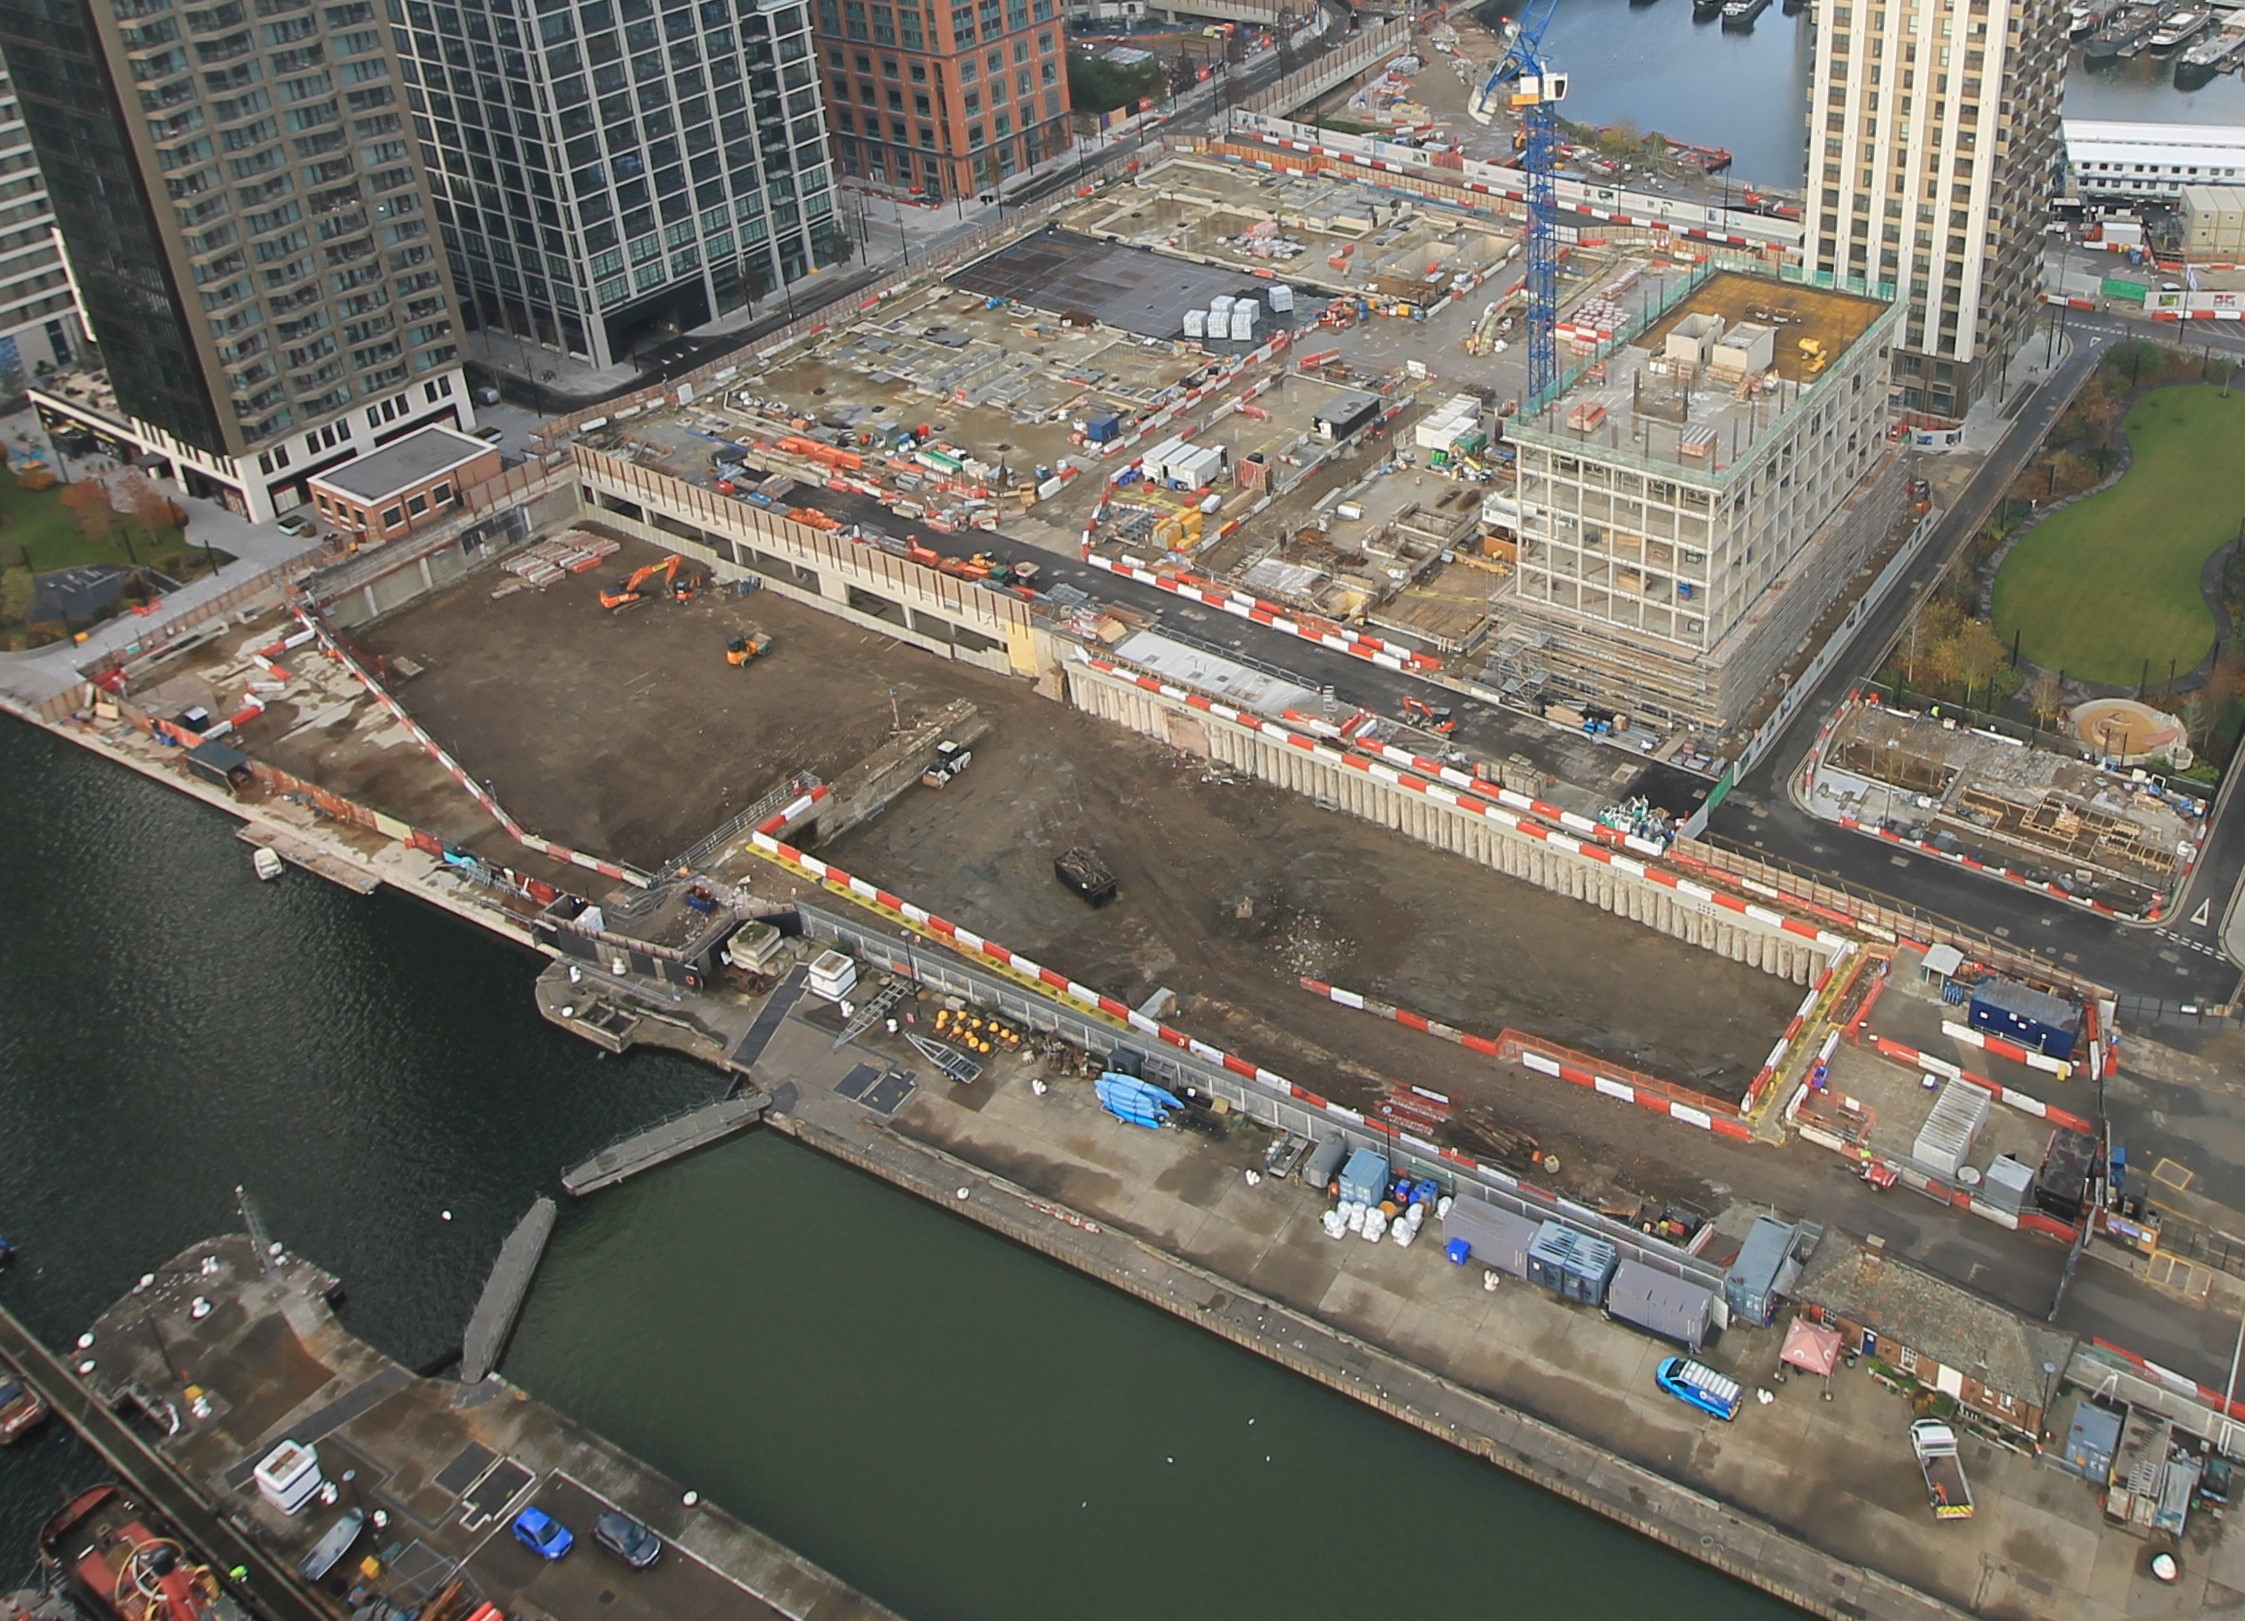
x: 266, y: 864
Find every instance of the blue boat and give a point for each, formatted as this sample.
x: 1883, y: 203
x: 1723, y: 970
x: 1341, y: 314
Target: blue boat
x: 1134, y: 1101
x: 1697, y: 1385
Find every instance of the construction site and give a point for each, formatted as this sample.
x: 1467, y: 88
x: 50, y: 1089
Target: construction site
x: 2118, y: 838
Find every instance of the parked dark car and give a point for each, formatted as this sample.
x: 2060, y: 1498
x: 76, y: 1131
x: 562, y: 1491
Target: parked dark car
x: 627, y: 1539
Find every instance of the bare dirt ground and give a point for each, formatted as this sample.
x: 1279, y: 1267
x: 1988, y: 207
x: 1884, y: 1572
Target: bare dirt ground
x: 1230, y: 891
x: 627, y: 734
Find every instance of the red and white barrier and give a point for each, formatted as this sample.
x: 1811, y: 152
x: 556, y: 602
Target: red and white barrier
x: 2003, y: 1048
x: 482, y: 795
x: 2010, y: 1097
x: 1475, y: 805
x: 1973, y: 864
x: 1548, y: 1058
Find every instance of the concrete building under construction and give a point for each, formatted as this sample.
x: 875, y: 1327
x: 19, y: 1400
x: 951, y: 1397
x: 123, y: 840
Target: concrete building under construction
x: 1696, y: 497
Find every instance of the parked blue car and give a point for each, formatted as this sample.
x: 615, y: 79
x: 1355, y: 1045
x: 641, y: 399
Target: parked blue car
x: 542, y: 1534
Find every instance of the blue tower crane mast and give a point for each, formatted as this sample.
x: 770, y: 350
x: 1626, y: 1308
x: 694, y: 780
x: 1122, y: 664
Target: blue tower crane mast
x: 1524, y: 78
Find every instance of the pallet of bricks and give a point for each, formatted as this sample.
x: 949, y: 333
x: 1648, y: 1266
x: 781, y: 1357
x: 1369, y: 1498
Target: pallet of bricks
x: 571, y: 552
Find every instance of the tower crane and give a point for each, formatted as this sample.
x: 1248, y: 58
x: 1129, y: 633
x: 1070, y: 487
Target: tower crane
x: 1523, y: 78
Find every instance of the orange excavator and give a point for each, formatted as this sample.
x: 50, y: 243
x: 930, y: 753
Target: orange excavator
x: 681, y: 581
x: 1435, y: 720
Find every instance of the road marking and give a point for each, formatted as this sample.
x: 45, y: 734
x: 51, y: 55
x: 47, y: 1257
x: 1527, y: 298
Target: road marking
x: 2203, y: 917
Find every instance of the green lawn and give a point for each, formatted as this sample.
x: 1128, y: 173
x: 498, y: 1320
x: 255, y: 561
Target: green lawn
x: 38, y: 523
x: 2114, y: 580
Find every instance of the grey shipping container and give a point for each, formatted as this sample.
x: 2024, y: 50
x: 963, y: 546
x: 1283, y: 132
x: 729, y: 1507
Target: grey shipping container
x: 1572, y: 1264
x: 1499, y: 1238
x: 2008, y: 1185
x: 1945, y: 1141
x: 1660, y: 1304
x: 1324, y: 1163
x: 1751, y: 1286
x: 2092, y: 1440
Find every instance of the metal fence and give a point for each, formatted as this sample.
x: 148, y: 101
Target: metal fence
x: 899, y: 951
x: 1335, y: 67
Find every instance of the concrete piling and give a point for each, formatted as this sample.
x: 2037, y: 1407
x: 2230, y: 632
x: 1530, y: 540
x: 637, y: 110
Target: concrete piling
x: 1483, y: 840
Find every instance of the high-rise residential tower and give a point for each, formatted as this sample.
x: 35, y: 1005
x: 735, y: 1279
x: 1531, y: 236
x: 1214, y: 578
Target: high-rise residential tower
x: 247, y: 224
x: 38, y: 314
x: 1935, y: 145
x: 946, y: 98
x: 609, y: 171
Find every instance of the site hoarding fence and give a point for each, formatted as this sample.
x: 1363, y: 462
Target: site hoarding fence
x: 900, y: 951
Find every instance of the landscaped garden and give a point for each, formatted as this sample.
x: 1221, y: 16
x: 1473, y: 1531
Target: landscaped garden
x: 2113, y: 586
x: 72, y: 555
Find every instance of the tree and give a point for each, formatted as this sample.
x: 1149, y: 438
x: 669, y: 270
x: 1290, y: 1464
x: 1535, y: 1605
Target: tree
x: 88, y: 501
x: 2046, y: 699
x: 1972, y: 655
x: 2196, y: 714
x: 148, y: 506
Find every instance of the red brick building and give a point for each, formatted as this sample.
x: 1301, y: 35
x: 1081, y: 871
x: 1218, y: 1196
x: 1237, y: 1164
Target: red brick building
x: 947, y: 98
x: 407, y: 483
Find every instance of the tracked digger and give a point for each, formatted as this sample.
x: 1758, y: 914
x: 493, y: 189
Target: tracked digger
x: 681, y: 581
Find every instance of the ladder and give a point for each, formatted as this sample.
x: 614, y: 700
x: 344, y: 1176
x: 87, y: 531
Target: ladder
x: 875, y: 1009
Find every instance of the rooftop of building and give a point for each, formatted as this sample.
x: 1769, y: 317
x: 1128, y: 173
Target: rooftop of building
x: 404, y: 464
x: 1932, y: 1317
x: 1694, y: 383
x: 2082, y: 132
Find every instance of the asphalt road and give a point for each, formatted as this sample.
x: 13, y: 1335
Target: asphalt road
x: 2159, y: 972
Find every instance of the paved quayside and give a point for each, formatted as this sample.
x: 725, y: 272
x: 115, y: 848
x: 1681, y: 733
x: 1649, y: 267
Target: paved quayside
x: 449, y: 1464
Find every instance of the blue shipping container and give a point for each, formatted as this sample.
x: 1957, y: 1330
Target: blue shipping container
x: 1572, y: 1264
x: 1100, y: 430
x: 2030, y: 1017
x: 1365, y: 1177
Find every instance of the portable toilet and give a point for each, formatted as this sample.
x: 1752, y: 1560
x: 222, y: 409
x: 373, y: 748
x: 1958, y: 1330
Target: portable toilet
x: 1573, y: 1265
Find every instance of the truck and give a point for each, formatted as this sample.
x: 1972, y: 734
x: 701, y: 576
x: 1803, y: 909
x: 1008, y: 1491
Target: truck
x: 1936, y: 1446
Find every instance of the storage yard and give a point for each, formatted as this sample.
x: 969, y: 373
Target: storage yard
x: 1124, y: 375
